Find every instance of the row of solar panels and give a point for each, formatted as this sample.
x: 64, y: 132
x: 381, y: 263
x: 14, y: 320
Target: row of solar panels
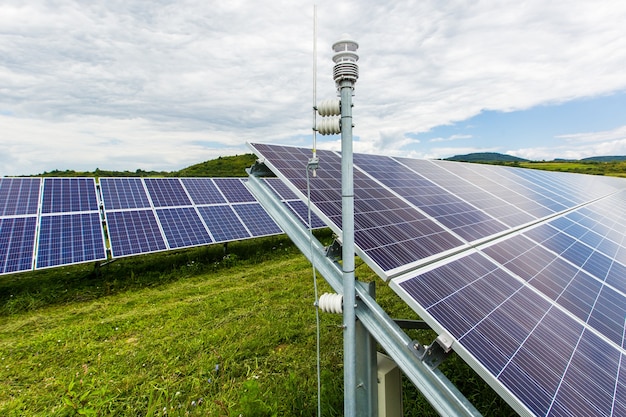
x: 524, y: 270
x: 59, y: 221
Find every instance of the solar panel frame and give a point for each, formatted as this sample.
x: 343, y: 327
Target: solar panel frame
x: 19, y: 196
x: 17, y: 243
x: 69, y: 195
x: 69, y: 223
x: 134, y: 232
x: 66, y: 239
x: 183, y: 227
x: 123, y: 193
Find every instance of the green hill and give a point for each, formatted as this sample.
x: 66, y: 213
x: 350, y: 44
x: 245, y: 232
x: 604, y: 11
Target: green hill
x: 224, y: 166
x: 486, y: 157
x: 605, y: 158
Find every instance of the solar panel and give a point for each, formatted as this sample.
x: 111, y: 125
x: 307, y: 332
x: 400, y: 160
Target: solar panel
x: 532, y: 294
x: 134, y: 232
x: 256, y: 219
x: 17, y: 244
x: 183, y: 227
x: 234, y: 190
x: 223, y: 223
x: 65, y: 195
x: 123, y: 193
x: 166, y: 192
x: 291, y: 200
x: 155, y: 214
x: 70, y: 238
x: 389, y: 233
x: 19, y: 196
x: 203, y: 191
x: 70, y: 229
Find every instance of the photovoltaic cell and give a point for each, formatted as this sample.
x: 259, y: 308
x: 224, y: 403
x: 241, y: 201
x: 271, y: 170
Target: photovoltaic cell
x: 256, y: 219
x: 234, y: 190
x: 167, y: 192
x: 66, y: 195
x: 19, y: 196
x: 123, y: 193
x: 203, y: 191
x: 70, y: 238
x: 183, y: 227
x: 388, y: 230
x: 464, y: 219
x: 17, y: 244
x: 302, y: 211
x: 134, y: 232
x: 223, y: 223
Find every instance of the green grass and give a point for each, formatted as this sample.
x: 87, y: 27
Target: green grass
x: 189, y: 333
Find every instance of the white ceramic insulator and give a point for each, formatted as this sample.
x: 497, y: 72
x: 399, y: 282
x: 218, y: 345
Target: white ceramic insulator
x: 331, y: 303
x: 329, y: 126
x: 330, y: 107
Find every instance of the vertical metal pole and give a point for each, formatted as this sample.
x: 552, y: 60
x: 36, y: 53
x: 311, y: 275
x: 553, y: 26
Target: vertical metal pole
x: 366, y: 363
x: 347, y: 227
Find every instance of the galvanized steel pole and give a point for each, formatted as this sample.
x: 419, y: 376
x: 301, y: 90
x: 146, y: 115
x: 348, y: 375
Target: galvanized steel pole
x: 345, y: 74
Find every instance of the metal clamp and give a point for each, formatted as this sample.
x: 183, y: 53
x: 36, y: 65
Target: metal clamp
x: 435, y: 353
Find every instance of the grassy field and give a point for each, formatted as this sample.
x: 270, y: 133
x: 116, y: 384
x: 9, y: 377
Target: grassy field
x: 188, y: 333
x: 615, y: 169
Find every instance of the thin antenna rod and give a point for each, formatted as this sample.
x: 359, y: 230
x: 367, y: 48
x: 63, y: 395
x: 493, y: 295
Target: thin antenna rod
x: 314, y: 83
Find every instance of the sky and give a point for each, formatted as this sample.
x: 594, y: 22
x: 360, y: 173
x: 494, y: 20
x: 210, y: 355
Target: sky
x: 161, y: 85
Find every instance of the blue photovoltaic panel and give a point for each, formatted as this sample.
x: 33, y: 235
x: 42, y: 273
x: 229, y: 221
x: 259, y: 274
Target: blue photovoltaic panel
x: 256, y: 219
x: 70, y: 238
x: 543, y: 311
x: 66, y: 195
x: 167, y: 192
x: 123, y: 193
x: 389, y: 232
x: 17, y: 244
x: 183, y: 227
x: 481, y: 192
x: 281, y: 189
x: 223, y: 223
x: 203, y: 191
x: 467, y: 221
x: 302, y: 211
x: 19, y: 196
x: 539, y: 311
x: 234, y: 190
x: 291, y: 200
x: 134, y: 232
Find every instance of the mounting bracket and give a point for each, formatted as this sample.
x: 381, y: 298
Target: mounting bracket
x: 434, y: 354
x: 259, y: 169
x: 334, y: 251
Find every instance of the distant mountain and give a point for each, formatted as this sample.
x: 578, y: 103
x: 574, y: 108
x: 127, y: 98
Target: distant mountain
x: 486, y: 157
x: 605, y: 158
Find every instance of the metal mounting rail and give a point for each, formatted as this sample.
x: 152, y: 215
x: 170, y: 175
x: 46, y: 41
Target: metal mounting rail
x: 445, y: 398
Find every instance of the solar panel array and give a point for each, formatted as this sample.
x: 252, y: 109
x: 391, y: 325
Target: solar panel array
x: 523, y: 269
x: 60, y: 221
x: 153, y: 214
x: 49, y: 222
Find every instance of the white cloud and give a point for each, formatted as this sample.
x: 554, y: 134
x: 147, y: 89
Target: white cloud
x: 191, y: 72
x: 451, y: 138
x: 593, y: 137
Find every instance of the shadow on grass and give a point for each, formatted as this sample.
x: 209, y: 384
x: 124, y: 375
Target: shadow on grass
x: 30, y: 291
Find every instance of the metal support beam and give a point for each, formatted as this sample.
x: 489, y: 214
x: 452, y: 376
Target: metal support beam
x: 366, y: 364
x: 445, y: 398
